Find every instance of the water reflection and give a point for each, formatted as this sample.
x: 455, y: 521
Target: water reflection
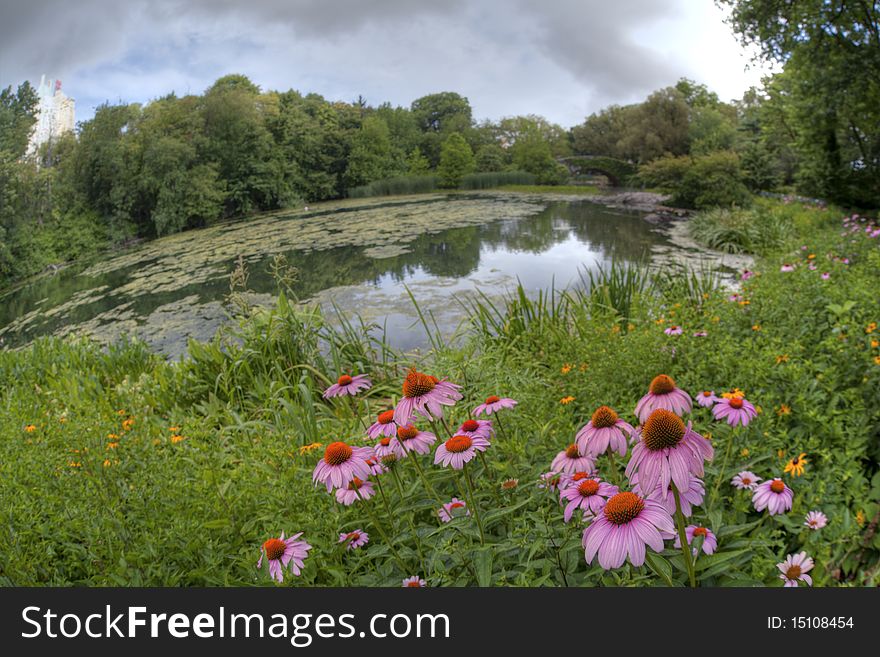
x: 551, y: 245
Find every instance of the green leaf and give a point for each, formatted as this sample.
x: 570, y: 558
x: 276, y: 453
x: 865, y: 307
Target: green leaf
x: 660, y: 566
x: 219, y: 523
x: 483, y: 566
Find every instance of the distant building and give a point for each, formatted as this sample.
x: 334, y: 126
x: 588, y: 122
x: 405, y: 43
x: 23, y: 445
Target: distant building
x: 55, y: 114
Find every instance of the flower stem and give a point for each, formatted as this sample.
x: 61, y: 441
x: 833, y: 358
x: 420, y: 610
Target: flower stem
x: 354, y: 410
x: 500, y: 426
x: 381, y: 530
x: 613, y: 464
x: 682, y: 536
x: 473, y: 502
x: 396, y: 476
x: 721, y: 472
x: 425, y: 481
x: 387, y: 506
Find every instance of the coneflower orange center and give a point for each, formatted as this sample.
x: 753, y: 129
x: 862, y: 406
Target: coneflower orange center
x: 337, y: 453
x: 456, y: 505
x: 794, y: 571
x: 577, y: 476
x: 352, y: 536
x: 736, y: 402
x: 662, y: 385
x: 746, y: 480
x: 662, y: 429
x: 355, y: 483
x: 407, y: 433
x: 777, y: 486
x: 458, y: 444
x: 707, y: 393
x: 492, y: 399
x: 386, y: 417
x: 344, y: 380
x: 588, y: 487
x: 572, y: 451
x: 413, y: 585
x: 603, y: 417
x: 385, y: 441
x: 274, y: 548
x: 623, y: 508
x: 700, y: 531
x: 417, y: 384
x: 470, y: 425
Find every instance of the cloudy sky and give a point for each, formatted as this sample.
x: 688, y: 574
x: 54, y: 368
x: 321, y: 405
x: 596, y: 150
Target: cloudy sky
x: 562, y: 59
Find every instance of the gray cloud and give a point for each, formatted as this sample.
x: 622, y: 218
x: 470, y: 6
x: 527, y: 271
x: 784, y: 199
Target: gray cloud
x: 562, y: 59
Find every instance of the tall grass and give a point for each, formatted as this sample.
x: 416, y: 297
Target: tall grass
x: 688, y: 284
x: 492, y: 179
x: 428, y: 183
x: 741, y: 231
x: 614, y: 289
x: 395, y: 186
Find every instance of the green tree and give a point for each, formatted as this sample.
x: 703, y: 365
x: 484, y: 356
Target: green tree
x: 456, y: 161
x: 830, y: 52
x: 370, y: 156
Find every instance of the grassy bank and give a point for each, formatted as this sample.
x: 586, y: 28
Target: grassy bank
x: 118, y: 468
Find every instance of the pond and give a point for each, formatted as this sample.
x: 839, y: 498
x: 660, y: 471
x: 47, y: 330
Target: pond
x: 360, y: 255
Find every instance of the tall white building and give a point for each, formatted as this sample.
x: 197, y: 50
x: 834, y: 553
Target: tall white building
x: 56, y: 114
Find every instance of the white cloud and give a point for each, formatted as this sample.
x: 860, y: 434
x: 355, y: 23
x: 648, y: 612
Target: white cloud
x: 562, y: 59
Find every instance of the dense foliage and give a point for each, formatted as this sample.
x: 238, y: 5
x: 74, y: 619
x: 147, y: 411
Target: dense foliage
x: 179, y: 163
x: 118, y: 468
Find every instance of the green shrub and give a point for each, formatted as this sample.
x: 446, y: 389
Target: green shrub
x: 713, y: 180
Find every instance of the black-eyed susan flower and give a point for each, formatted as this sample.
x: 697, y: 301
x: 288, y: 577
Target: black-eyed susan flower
x: 795, y: 467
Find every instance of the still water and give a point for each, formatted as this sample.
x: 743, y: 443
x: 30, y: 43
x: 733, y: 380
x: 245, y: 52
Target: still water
x: 359, y: 255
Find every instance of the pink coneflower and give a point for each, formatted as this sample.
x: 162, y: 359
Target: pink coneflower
x: 812, y: 266
x: 383, y: 426
x: 376, y: 467
x: 571, y: 460
x: 746, y: 275
x: 567, y: 478
x: 388, y: 447
x: 662, y: 393
x: 282, y: 553
x: 458, y: 450
x: 736, y: 410
x: 700, y: 334
x: 481, y: 428
x: 411, y: 439
x: 426, y: 395
x: 667, y: 450
x: 774, y: 496
x: 348, y: 385
x: 550, y: 480
x: 341, y: 463
x: 707, y: 398
x: 355, y: 539
x: 589, y: 495
x: 604, y: 431
x: 795, y: 568
x: 746, y: 480
x: 626, y: 525
x: 825, y: 276
x: 816, y: 520
x: 357, y: 489
x: 734, y: 297
x: 453, y: 509
x: 786, y: 268
x: 673, y: 330
x: 692, y: 531
x: 688, y: 497
x: 414, y: 582
x: 493, y: 404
